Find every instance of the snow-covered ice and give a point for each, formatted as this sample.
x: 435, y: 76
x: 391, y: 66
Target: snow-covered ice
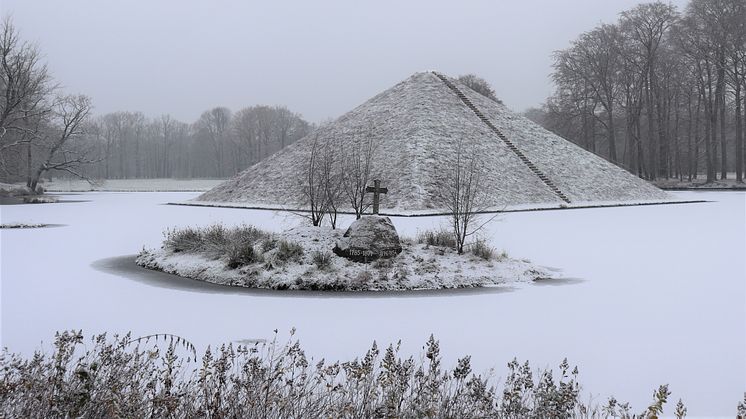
x: 660, y: 295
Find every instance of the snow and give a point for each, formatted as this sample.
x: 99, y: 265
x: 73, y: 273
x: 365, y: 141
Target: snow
x: 132, y: 185
x: 659, y: 295
x: 398, y: 211
x: 418, y: 267
x: 415, y: 126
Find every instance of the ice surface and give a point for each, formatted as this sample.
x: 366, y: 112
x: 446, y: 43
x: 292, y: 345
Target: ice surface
x: 662, y: 295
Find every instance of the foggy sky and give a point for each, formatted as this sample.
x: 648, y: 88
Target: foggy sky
x: 319, y: 58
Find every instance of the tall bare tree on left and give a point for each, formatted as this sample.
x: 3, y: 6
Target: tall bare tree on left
x: 40, y: 130
x: 25, y: 90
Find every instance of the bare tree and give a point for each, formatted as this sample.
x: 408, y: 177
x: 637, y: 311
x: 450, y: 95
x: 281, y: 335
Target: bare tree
x: 25, y: 90
x: 462, y: 192
x: 479, y: 85
x: 332, y: 180
x: 673, y: 82
x: 69, y: 116
x: 592, y: 66
x: 357, y: 168
x: 314, y: 187
x: 213, y: 126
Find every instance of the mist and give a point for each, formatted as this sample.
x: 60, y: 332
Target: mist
x: 319, y: 59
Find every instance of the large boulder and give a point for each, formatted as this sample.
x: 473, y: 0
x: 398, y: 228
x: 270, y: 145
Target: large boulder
x: 369, y: 238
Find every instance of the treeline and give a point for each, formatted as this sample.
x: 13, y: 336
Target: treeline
x: 44, y: 132
x: 219, y: 144
x: 660, y: 92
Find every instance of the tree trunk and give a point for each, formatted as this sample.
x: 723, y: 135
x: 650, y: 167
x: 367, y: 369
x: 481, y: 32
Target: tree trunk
x: 739, y: 133
x: 36, y: 176
x: 720, y: 96
x: 612, y: 135
x: 28, y: 166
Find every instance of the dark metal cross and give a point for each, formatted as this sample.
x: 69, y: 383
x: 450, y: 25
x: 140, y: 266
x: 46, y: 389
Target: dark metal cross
x: 377, y: 190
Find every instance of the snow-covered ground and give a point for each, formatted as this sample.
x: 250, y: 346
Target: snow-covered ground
x: 418, y: 267
x: 659, y: 295
x: 132, y: 185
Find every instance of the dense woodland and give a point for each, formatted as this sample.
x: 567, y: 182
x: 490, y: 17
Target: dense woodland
x: 219, y: 144
x: 660, y: 92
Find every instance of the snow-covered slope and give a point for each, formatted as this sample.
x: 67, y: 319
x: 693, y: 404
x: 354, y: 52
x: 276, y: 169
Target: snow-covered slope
x: 416, y: 125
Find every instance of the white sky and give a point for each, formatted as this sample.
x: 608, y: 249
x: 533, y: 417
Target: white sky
x: 319, y: 58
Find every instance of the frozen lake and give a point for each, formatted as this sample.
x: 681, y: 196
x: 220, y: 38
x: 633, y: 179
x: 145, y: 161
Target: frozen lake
x: 661, y: 295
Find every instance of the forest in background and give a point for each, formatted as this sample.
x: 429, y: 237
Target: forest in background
x: 660, y: 92
x: 45, y: 132
x: 218, y: 145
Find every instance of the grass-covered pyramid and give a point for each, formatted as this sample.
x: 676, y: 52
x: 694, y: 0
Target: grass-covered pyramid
x: 415, y: 126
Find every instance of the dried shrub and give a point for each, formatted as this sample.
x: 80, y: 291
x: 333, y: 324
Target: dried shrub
x: 289, y: 251
x: 188, y: 239
x: 159, y: 376
x: 440, y: 238
x: 241, y: 255
x: 322, y: 260
x: 482, y: 250
x: 235, y: 244
x: 39, y: 199
x: 215, y: 241
x: 269, y: 243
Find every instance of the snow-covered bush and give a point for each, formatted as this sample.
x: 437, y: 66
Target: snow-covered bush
x: 216, y: 241
x: 39, y: 199
x: 482, y: 250
x: 301, y: 259
x: 158, y: 376
x: 288, y: 251
x: 441, y: 238
x: 241, y: 255
x: 188, y: 239
x: 322, y: 260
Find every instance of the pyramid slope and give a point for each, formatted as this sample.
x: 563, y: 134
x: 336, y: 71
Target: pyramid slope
x: 415, y: 126
x: 580, y: 174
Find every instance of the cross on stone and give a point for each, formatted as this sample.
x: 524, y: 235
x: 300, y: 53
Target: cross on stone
x: 377, y: 190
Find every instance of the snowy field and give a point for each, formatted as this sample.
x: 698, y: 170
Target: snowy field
x: 132, y: 185
x: 659, y: 295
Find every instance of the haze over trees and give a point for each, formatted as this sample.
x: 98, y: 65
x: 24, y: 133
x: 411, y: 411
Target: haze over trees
x: 46, y: 133
x: 659, y: 92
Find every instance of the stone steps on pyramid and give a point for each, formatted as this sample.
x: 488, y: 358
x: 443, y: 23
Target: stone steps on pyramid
x: 531, y: 166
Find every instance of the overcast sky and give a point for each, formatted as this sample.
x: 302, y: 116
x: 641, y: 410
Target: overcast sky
x: 319, y: 58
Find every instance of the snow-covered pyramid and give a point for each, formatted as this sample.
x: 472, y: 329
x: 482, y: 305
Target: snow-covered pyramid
x: 415, y: 126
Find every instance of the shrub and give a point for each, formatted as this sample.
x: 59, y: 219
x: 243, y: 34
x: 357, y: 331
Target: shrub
x: 39, y: 199
x: 215, y: 241
x: 187, y: 239
x: 322, y: 260
x: 288, y: 251
x: 441, y: 238
x: 157, y: 376
x: 246, y: 234
x: 269, y: 243
x: 482, y: 250
x: 241, y: 255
